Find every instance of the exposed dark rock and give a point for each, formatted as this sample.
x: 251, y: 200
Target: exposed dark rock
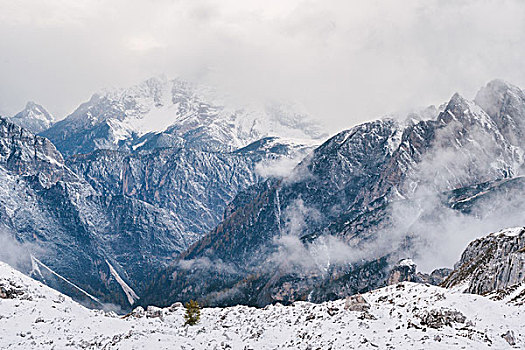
x: 439, y: 318
x: 509, y: 337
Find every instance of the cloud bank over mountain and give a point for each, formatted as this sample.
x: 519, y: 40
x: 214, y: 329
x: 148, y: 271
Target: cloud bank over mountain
x: 346, y: 61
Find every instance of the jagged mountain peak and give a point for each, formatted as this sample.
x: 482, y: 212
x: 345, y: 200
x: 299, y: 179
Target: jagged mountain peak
x: 505, y: 103
x: 33, y: 106
x: 498, y: 87
x: 34, y: 117
x: 463, y: 110
x: 155, y: 91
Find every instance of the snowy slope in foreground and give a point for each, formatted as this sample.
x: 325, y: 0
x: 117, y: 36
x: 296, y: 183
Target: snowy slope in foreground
x: 403, y: 316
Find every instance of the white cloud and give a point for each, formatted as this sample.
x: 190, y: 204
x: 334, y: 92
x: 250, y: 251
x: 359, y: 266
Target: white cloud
x: 347, y: 61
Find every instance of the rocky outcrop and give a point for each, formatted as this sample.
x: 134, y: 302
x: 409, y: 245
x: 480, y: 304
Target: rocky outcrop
x: 441, y: 318
x: 356, y: 303
x: 24, y: 154
x: 491, y: 263
x: 405, y: 271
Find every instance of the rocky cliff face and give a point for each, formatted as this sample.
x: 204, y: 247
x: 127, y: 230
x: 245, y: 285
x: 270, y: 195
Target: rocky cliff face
x: 25, y: 154
x: 491, y: 263
x: 330, y: 228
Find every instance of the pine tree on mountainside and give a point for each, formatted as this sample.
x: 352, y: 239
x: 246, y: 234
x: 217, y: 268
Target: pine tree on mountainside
x: 193, y: 313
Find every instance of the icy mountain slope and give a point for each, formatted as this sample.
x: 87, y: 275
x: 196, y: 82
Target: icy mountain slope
x: 404, y: 316
x: 34, y: 118
x: 172, y: 113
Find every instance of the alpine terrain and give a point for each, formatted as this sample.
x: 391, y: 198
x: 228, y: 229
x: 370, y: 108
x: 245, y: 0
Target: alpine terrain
x: 406, y: 315
x: 359, y: 203
x: 97, y: 217
x: 158, y: 194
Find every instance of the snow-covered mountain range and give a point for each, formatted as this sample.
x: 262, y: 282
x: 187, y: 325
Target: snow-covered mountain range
x: 163, y: 192
x: 96, y: 225
x: 406, y: 315
x: 171, y: 113
x: 358, y: 203
x: 87, y: 217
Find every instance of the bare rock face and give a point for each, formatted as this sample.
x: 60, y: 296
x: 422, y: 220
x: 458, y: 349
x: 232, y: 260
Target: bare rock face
x: 154, y: 312
x: 404, y: 271
x: 491, y: 263
x: 25, y: 154
x: 175, y: 306
x: 11, y: 290
x: 138, y: 312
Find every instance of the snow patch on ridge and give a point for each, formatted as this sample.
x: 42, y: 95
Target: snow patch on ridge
x: 509, y: 232
x: 406, y: 262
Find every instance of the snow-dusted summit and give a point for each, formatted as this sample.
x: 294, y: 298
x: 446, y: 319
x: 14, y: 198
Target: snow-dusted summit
x: 165, y: 113
x: 34, y: 118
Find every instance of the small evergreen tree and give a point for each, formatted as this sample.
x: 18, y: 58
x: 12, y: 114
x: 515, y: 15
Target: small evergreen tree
x: 193, y: 313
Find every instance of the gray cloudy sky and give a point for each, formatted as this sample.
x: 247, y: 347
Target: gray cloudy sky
x: 347, y: 61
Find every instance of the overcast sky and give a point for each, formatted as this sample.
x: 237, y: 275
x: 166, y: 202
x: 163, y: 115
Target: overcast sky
x: 347, y: 61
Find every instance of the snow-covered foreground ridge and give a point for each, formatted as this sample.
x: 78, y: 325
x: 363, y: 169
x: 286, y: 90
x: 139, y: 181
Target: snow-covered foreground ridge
x: 403, y: 316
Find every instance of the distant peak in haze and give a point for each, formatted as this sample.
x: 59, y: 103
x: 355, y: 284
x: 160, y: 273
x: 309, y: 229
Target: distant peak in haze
x: 498, y: 93
x: 34, y: 117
